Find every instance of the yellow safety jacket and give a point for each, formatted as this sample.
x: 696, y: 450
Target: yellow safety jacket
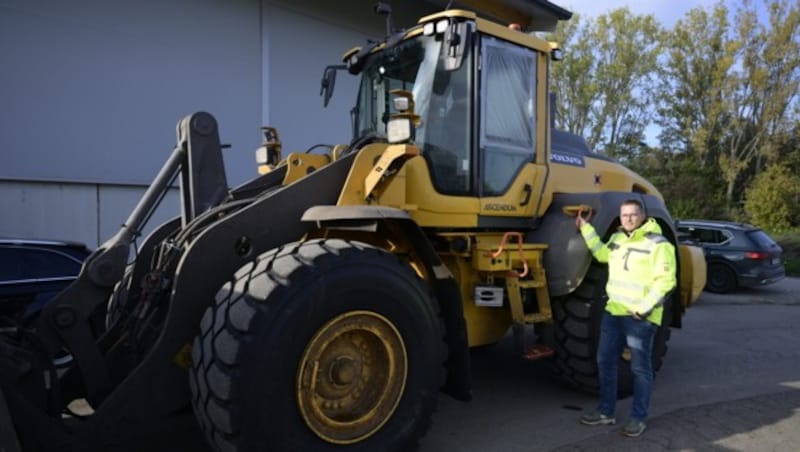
x: 641, y: 269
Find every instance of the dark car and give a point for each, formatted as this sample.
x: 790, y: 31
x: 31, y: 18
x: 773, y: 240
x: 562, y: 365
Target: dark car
x: 32, y: 272
x: 737, y: 254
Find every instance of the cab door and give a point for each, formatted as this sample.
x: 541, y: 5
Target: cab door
x: 510, y: 181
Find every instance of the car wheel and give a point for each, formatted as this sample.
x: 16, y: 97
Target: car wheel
x: 721, y: 279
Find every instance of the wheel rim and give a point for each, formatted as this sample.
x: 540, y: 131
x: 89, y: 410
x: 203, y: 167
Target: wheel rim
x: 720, y: 278
x: 351, y: 377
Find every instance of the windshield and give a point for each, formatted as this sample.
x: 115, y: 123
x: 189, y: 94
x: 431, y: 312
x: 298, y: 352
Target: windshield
x: 441, y: 99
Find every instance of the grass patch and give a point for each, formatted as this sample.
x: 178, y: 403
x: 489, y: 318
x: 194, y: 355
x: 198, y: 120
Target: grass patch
x: 790, y: 242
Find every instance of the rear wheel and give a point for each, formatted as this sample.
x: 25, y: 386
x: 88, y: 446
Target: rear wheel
x: 577, y: 332
x: 319, y: 346
x: 721, y: 279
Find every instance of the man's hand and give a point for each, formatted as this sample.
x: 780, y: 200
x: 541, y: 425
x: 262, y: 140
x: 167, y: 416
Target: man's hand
x: 641, y: 316
x: 580, y: 220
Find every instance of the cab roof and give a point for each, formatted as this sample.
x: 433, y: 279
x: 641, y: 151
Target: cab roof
x: 531, y: 15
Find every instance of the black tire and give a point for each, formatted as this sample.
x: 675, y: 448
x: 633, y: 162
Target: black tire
x: 577, y: 332
x: 300, y: 330
x: 721, y: 279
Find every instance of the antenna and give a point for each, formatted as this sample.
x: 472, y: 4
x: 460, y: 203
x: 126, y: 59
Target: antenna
x: 385, y: 9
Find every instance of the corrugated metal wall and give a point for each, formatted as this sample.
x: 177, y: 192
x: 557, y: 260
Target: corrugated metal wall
x: 91, y: 92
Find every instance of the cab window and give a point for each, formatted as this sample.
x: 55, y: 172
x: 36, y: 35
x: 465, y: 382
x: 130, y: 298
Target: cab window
x: 508, y: 109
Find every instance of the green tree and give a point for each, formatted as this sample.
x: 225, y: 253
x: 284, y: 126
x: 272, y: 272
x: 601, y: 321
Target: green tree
x: 726, y: 98
x: 765, y: 86
x: 773, y: 199
x: 572, y: 80
x: 777, y: 77
x: 605, y: 82
x: 688, y: 187
x: 696, y: 76
x: 730, y: 90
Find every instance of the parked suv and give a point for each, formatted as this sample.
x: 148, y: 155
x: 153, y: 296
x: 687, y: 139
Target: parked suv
x: 32, y: 272
x: 737, y: 254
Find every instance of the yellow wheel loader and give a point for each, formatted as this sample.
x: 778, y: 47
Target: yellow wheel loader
x: 324, y: 304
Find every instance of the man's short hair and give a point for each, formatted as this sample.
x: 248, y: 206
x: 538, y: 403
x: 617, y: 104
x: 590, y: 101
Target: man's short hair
x: 633, y: 202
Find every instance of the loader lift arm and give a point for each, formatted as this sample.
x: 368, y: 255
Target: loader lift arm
x: 198, y: 160
x: 67, y: 321
x: 113, y: 370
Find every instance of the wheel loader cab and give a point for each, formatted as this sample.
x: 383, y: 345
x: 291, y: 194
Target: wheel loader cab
x: 481, y: 135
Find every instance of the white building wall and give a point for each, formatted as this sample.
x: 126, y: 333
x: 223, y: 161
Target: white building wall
x: 49, y: 210
x: 73, y: 211
x: 92, y: 90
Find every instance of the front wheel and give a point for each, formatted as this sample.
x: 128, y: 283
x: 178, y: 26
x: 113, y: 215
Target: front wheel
x: 320, y: 345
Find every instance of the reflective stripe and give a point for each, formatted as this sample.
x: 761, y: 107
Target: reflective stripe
x: 625, y: 299
x: 626, y: 284
x: 657, y: 238
x: 659, y: 302
x: 592, y: 234
x: 594, y: 248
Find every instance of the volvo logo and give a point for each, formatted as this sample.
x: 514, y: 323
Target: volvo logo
x: 565, y: 159
x: 499, y: 207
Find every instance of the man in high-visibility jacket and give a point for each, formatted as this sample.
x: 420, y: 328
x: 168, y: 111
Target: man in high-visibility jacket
x: 641, y: 275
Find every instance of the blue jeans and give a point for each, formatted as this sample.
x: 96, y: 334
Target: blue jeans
x: 615, y: 332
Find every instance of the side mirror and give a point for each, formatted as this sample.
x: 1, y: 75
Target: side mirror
x: 328, y: 82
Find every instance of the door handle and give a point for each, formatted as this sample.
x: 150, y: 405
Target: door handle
x: 528, y: 191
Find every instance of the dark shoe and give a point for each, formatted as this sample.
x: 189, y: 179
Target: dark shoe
x: 597, y: 418
x: 634, y: 428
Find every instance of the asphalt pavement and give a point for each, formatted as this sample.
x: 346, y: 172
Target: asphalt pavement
x: 784, y: 292
x: 769, y: 422
x: 730, y: 382
x: 763, y: 423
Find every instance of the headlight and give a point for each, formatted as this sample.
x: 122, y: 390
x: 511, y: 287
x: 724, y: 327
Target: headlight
x: 437, y: 27
x: 261, y: 156
x: 398, y: 130
x: 401, y: 104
